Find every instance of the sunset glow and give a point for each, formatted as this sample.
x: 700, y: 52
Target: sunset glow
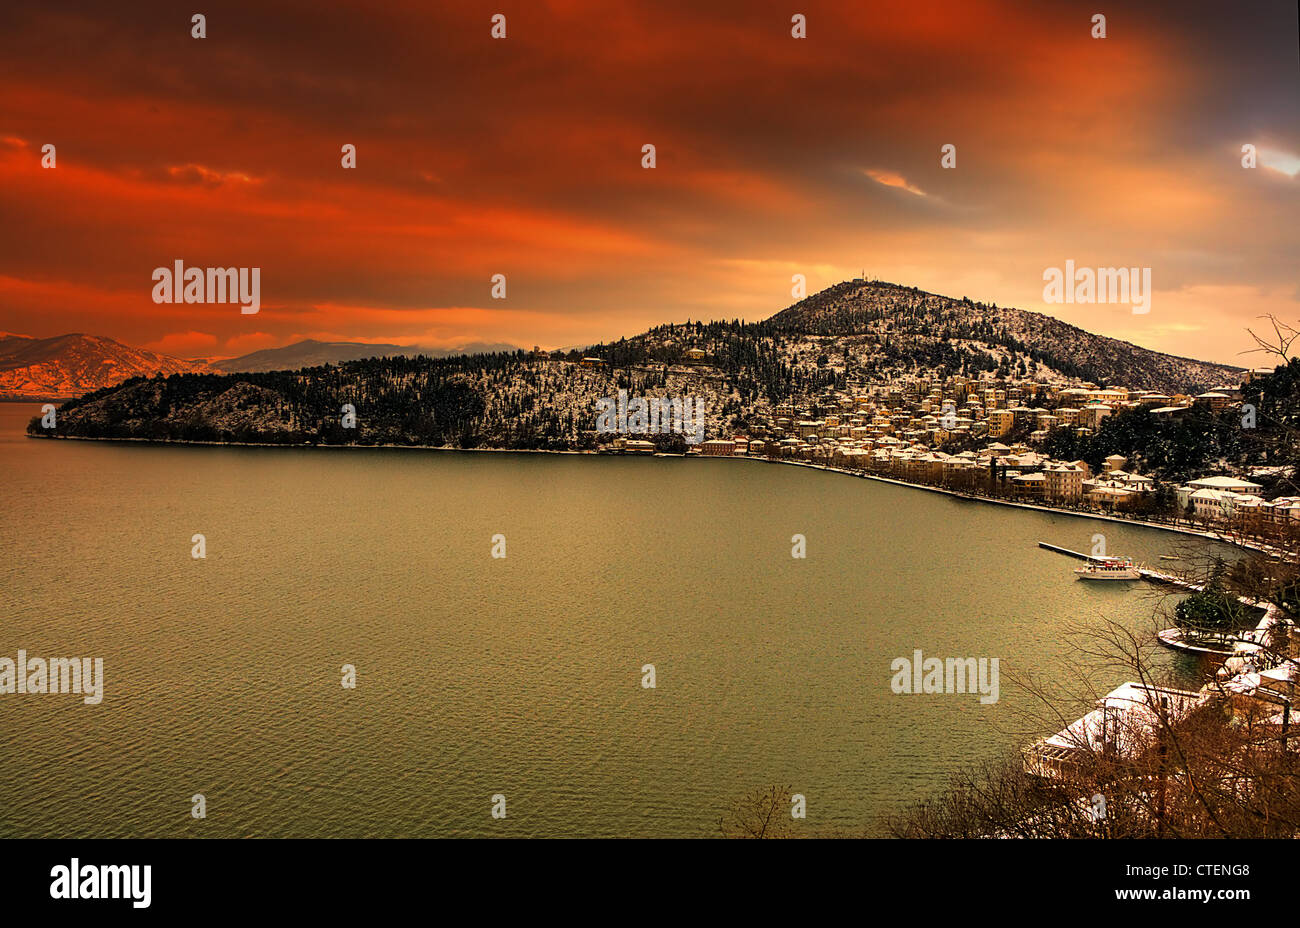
x: 522, y: 157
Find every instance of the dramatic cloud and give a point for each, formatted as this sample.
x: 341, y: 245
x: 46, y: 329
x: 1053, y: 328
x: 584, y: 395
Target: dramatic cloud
x: 890, y: 179
x: 523, y: 157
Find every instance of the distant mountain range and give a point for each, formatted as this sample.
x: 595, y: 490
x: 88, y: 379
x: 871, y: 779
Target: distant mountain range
x: 852, y: 333
x: 859, y: 328
x: 311, y: 353
x: 68, y: 366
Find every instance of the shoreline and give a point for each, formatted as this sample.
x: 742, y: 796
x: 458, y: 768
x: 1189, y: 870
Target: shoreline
x: 1099, y: 516
x: 1102, y: 517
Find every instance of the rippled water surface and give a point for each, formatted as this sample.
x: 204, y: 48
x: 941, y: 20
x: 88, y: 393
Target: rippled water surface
x: 518, y: 676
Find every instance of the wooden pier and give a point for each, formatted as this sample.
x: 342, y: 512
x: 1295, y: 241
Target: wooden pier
x: 1080, y: 555
x: 1155, y: 576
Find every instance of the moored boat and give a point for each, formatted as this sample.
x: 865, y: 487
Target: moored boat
x: 1109, y: 568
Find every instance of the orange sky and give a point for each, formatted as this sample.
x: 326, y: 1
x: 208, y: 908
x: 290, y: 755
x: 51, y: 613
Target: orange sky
x: 522, y: 156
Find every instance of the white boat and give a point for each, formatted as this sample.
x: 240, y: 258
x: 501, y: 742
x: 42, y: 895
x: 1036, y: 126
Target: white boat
x: 1109, y: 568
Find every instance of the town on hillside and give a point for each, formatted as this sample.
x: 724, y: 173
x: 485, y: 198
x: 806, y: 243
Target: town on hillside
x: 988, y: 436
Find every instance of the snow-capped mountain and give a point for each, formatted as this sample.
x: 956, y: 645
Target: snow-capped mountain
x: 69, y: 365
x: 881, y: 324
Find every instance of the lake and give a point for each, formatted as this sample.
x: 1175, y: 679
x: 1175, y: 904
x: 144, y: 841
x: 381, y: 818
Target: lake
x: 519, y: 676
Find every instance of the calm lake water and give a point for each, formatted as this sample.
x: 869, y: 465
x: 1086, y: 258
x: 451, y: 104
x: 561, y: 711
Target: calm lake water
x: 519, y: 676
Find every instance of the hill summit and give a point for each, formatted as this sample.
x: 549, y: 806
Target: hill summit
x: 885, y: 322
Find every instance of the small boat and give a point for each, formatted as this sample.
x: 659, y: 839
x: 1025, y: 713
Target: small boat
x: 1169, y: 557
x: 1109, y: 568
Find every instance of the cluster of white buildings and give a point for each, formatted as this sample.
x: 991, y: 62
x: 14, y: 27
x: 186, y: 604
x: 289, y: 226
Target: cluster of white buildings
x: 935, y: 413
x: 908, y: 429
x: 1025, y: 474
x: 1233, y: 501
x: 1255, y: 690
x: 1019, y: 471
x: 901, y: 429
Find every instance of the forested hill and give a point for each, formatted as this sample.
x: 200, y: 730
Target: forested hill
x: 492, y: 400
x: 1266, y: 445
x: 854, y: 331
x: 904, y: 322
x: 1177, y: 449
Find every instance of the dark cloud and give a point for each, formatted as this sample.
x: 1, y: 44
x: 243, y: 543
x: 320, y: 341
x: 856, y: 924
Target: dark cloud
x: 522, y: 156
